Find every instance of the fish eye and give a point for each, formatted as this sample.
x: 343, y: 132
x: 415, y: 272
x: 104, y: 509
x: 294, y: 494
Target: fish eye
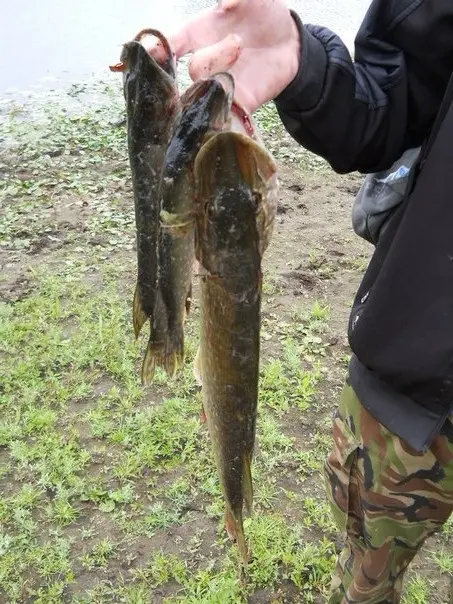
x: 208, y: 210
x: 149, y: 100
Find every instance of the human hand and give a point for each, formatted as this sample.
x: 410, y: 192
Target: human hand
x: 257, y: 41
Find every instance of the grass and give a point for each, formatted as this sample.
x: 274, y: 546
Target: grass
x: 282, y: 145
x: 444, y: 560
x: 87, y: 473
x: 418, y: 591
x: 93, y: 465
x: 108, y: 491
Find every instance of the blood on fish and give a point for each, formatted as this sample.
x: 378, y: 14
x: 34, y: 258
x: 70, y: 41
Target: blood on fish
x: 242, y: 115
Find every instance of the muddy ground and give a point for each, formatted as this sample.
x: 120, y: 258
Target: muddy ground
x: 108, y: 489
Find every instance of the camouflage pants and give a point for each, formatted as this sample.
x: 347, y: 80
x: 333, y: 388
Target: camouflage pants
x: 386, y: 497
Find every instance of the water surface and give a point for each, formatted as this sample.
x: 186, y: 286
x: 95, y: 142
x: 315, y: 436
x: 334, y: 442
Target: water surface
x: 42, y: 43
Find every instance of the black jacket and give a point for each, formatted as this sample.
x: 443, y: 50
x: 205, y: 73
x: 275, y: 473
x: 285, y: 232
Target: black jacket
x: 361, y: 115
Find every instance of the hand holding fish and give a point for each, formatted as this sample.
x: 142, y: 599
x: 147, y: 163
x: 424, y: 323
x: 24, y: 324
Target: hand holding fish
x: 257, y: 41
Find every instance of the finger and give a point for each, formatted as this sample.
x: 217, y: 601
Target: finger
x: 215, y: 58
x: 245, y: 98
x: 229, y: 4
x: 181, y: 42
x: 154, y: 47
x: 206, y: 28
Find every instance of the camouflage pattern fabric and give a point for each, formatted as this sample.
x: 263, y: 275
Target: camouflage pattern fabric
x: 387, y: 497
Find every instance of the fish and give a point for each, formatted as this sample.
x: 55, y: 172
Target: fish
x: 240, y: 120
x: 236, y: 192
x: 204, y: 109
x: 152, y: 106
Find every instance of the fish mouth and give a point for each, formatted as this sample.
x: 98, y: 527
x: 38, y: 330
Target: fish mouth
x: 195, y: 92
x: 169, y: 64
x: 223, y: 83
x: 226, y: 80
x: 132, y: 54
x: 118, y: 67
x: 244, y: 117
x: 130, y: 48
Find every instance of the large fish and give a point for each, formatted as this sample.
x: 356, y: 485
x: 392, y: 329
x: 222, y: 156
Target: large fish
x: 236, y: 204
x: 240, y: 121
x: 205, y: 109
x: 151, y: 105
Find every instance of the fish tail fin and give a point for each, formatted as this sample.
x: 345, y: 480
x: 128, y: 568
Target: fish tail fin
x: 168, y: 354
x: 159, y: 357
x: 173, y: 358
x: 139, y: 316
x: 248, y: 485
x: 235, y: 530
x: 149, y: 365
x: 170, y: 362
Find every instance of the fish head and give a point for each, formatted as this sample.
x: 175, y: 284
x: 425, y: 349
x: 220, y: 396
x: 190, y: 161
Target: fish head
x: 209, y: 101
x: 236, y: 203
x: 168, y: 62
x: 204, y: 109
x: 148, y: 89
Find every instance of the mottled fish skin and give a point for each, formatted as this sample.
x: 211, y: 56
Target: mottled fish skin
x: 237, y: 190
x: 152, y: 106
x: 205, y: 109
x: 242, y: 122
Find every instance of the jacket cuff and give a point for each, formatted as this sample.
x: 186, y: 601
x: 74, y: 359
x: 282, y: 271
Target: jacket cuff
x: 304, y: 92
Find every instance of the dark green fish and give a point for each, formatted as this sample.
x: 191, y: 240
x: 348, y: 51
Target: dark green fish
x: 151, y: 106
x: 205, y: 108
x: 236, y: 204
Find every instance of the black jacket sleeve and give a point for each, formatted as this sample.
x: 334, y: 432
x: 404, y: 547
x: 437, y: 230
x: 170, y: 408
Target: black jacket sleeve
x: 362, y: 114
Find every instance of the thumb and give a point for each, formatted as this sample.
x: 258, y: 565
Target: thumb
x: 215, y: 58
